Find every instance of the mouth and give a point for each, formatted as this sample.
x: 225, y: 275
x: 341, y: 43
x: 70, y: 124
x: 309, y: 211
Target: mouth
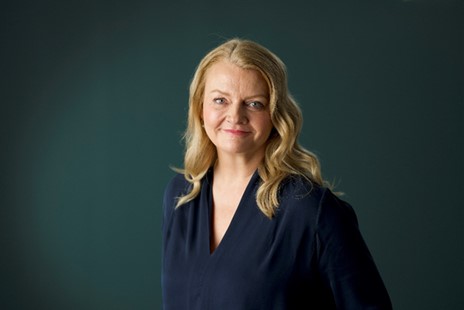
x: 236, y: 132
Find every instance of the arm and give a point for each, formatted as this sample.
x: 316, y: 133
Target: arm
x: 345, y: 263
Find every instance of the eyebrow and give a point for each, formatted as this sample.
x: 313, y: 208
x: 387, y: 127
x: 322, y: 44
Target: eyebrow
x: 249, y: 97
x: 219, y: 91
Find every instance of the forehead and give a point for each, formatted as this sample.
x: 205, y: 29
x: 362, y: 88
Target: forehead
x: 226, y: 74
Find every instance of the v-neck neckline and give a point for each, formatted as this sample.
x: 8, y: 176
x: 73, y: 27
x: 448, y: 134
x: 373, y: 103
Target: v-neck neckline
x: 229, y: 233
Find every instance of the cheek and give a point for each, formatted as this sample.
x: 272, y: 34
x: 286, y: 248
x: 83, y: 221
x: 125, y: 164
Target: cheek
x: 210, y: 116
x: 266, y: 125
x: 206, y: 117
x: 209, y: 125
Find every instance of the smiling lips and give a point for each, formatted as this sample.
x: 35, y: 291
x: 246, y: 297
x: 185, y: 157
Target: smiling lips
x: 236, y: 132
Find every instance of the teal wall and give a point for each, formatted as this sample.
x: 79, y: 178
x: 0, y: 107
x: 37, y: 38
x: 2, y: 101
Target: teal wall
x: 93, y: 103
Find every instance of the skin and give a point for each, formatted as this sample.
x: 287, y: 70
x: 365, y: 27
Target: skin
x: 236, y: 112
x: 237, y: 120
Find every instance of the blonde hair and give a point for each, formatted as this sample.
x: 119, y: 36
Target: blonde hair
x: 283, y: 156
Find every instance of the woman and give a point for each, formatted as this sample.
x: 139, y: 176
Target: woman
x: 249, y: 222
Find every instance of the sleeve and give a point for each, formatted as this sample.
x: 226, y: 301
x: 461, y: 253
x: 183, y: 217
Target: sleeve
x: 345, y: 262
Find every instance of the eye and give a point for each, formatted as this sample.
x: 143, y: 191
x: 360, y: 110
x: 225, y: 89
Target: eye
x: 219, y: 100
x: 255, y: 105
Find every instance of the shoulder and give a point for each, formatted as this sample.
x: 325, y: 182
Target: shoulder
x: 299, y: 198
x: 305, y: 198
x: 176, y: 187
x: 296, y: 190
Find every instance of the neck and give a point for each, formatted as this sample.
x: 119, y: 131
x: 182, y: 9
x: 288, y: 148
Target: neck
x: 235, y: 168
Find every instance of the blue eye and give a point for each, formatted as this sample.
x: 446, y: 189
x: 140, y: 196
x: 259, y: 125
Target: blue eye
x: 256, y: 105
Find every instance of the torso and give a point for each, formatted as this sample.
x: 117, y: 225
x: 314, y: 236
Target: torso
x: 226, y: 198
x: 258, y: 263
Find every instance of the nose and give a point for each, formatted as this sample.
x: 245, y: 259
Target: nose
x: 236, y: 114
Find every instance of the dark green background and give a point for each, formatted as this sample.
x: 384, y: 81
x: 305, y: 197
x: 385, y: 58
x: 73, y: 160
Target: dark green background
x: 93, y: 104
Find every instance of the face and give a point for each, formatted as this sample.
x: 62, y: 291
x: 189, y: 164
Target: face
x: 236, y: 111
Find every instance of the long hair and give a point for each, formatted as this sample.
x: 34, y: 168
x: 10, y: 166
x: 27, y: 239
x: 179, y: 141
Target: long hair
x: 284, y: 156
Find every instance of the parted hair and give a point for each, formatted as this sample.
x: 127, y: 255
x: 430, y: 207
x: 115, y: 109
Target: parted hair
x: 284, y: 156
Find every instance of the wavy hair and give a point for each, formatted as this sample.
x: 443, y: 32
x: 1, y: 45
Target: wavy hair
x: 284, y: 156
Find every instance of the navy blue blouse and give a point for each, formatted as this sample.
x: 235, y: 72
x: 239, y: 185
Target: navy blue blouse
x: 311, y: 255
